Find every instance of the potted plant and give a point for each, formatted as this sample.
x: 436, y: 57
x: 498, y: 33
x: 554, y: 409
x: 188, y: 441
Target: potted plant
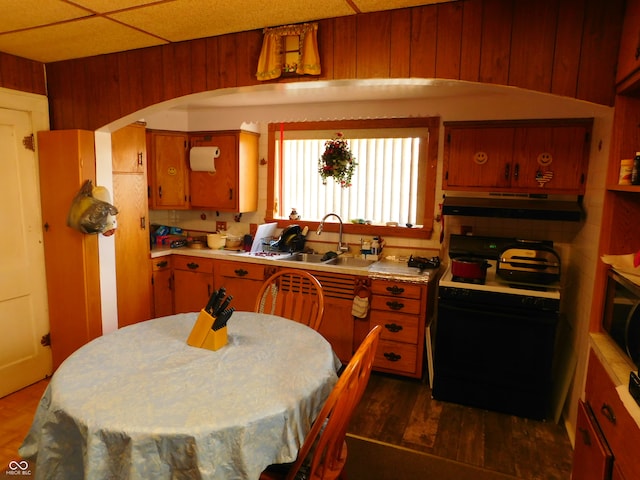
x: 337, y: 161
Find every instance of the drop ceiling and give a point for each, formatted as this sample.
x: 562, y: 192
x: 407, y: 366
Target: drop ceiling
x: 53, y: 30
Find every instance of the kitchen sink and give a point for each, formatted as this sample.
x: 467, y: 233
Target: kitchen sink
x: 306, y: 257
x: 350, y: 262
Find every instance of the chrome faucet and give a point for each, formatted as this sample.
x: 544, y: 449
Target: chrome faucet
x: 341, y: 248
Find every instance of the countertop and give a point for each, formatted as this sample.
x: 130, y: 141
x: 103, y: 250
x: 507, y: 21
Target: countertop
x: 382, y: 269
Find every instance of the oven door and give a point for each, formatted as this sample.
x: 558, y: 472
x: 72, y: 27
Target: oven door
x: 494, y: 357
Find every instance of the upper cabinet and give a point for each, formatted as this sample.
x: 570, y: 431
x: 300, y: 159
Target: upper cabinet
x: 534, y: 157
x: 629, y: 54
x: 233, y: 187
x: 168, y: 170
x: 131, y: 155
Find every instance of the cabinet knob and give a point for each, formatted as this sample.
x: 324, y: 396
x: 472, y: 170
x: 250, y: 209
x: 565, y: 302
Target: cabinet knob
x: 395, y: 305
x: 395, y: 290
x: 586, y: 438
x: 392, y: 357
x: 393, y: 327
x: 608, y: 413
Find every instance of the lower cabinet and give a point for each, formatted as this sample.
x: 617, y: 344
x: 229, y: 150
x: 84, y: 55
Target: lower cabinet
x: 337, y: 321
x: 162, y: 283
x: 401, y: 309
x: 606, y: 435
x: 192, y: 283
x: 242, y: 281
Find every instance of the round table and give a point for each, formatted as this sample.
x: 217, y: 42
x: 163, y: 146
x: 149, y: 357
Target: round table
x: 141, y: 403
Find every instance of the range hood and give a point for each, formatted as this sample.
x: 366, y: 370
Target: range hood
x: 516, y: 208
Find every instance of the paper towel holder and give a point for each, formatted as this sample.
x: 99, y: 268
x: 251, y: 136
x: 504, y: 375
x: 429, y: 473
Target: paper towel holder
x: 202, y: 159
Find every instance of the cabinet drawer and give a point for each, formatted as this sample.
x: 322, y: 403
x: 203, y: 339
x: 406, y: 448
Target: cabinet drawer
x: 396, y: 304
x: 396, y: 326
x: 161, y: 263
x: 616, y: 423
x: 396, y: 289
x: 395, y: 356
x: 193, y: 264
x: 241, y: 270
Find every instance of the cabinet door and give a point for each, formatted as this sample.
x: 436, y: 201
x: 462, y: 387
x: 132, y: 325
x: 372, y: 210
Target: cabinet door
x: 629, y: 53
x: 133, y: 274
x: 218, y: 190
x: 130, y: 149
x: 591, y: 457
x: 169, y: 178
x: 191, y: 290
x: 478, y: 157
x: 551, y: 159
x: 162, y: 288
x: 242, y: 281
x: 337, y: 324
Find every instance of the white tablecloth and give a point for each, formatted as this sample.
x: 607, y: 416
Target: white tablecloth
x: 139, y: 403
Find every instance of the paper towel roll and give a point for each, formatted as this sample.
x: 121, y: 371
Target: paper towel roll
x: 202, y: 159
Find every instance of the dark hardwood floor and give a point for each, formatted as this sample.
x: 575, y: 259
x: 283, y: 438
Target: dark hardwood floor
x: 401, y: 412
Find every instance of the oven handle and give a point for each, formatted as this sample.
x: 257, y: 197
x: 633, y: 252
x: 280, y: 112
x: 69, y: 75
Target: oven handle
x: 498, y: 311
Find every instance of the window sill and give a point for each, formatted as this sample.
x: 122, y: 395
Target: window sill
x: 359, y: 229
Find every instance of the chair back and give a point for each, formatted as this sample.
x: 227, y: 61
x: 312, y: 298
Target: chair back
x: 293, y: 294
x: 326, y: 441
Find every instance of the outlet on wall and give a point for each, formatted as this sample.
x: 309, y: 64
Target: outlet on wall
x: 221, y: 226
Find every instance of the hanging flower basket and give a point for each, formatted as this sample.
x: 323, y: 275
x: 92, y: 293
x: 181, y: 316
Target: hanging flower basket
x: 337, y: 161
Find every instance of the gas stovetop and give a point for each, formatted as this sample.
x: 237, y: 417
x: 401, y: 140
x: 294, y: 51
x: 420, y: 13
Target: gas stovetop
x: 494, y: 283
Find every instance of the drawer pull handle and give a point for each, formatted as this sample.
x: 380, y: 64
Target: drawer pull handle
x: 395, y: 305
x: 393, y: 327
x: 586, y: 438
x: 162, y: 264
x: 392, y: 357
x: 240, y: 272
x: 395, y: 290
x: 192, y: 265
x: 607, y: 411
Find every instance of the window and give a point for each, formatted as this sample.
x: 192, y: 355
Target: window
x: 394, y: 180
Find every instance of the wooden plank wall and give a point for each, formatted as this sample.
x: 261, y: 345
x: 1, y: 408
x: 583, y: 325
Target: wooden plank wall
x: 564, y: 47
x: 18, y: 73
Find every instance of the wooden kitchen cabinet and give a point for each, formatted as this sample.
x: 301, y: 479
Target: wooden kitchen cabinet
x: 535, y: 157
x: 162, y: 282
x: 234, y: 185
x: 133, y: 275
x: 629, y: 52
x: 401, y: 309
x: 130, y: 156
x: 608, y: 417
x: 192, y: 283
x: 66, y: 160
x: 337, y: 324
x: 168, y: 170
x: 241, y: 280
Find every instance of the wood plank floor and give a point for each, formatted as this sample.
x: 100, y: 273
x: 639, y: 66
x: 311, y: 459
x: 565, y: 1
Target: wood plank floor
x: 401, y: 412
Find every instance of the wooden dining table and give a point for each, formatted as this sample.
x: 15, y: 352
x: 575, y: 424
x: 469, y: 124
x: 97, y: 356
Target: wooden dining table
x: 139, y: 403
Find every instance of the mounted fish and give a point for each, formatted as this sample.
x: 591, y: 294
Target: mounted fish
x: 88, y: 214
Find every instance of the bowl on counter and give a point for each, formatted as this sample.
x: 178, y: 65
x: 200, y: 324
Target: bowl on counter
x: 216, y: 241
x: 232, y: 242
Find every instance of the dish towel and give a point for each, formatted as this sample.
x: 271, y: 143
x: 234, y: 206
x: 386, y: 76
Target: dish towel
x: 360, y: 306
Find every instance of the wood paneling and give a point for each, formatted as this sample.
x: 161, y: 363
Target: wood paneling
x: 21, y: 74
x: 544, y: 46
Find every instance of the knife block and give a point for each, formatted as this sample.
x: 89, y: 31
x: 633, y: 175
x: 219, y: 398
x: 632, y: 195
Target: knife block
x: 202, y: 336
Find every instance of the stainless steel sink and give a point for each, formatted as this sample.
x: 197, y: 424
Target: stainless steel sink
x: 350, y: 262
x: 306, y: 257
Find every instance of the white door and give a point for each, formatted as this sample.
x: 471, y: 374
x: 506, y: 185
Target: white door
x: 23, y: 290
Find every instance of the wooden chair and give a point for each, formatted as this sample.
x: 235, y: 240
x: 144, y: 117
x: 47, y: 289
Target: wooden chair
x: 293, y: 294
x: 323, y: 454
